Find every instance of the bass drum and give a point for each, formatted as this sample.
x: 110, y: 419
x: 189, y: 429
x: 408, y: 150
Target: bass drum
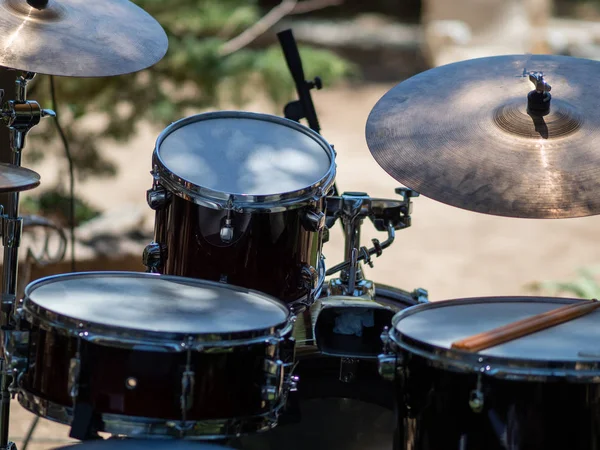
x: 328, y: 413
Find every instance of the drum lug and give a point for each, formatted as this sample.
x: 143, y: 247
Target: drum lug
x: 226, y: 232
x: 273, y: 368
x: 388, y: 362
x: 387, y: 366
x: 157, y: 197
x: 152, y: 257
x: 309, y: 277
x: 270, y: 393
x: 187, y: 389
x: 188, y: 378
x: 476, y: 397
x: 73, y: 381
x: 313, y: 220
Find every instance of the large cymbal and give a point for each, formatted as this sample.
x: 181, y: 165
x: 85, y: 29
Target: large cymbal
x: 17, y: 179
x: 79, y: 38
x: 460, y: 134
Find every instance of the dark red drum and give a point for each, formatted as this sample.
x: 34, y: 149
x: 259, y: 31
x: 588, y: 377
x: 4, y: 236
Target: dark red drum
x: 239, y: 198
x: 144, y: 354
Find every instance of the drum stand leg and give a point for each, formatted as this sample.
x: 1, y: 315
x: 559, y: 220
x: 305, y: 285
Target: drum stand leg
x: 20, y: 115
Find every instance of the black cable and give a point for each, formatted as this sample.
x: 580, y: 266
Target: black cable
x: 71, y: 173
x: 32, y: 427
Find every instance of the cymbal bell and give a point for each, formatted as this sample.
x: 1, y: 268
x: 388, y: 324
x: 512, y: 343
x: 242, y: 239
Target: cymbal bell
x: 465, y: 134
x: 17, y: 179
x: 79, y: 38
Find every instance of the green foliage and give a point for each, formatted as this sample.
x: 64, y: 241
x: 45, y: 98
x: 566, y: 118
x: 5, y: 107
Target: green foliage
x: 586, y: 285
x: 193, y: 74
x: 55, y: 204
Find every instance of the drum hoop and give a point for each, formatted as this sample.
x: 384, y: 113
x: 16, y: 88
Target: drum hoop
x: 242, y: 202
x: 520, y: 369
x: 122, y: 337
x: 146, y: 427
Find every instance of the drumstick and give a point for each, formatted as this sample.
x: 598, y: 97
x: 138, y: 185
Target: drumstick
x: 524, y: 327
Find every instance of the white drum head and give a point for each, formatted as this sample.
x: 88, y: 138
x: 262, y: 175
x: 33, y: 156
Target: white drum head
x: 453, y: 320
x: 150, y: 302
x: 244, y: 153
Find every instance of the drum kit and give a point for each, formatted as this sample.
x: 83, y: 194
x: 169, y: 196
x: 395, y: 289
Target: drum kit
x: 235, y: 337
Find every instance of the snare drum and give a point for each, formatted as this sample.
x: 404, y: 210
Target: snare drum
x: 155, y: 355
x: 240, y: 199
x: 538, y: 392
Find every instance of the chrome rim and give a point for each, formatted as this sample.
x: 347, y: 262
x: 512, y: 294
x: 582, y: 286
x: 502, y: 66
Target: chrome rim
x: 145, y: 427
x: 583, y: 371
x: 156, y: 341
x: 236, y: 201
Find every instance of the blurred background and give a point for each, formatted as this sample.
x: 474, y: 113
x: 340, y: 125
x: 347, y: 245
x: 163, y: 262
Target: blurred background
x: 224, y: 54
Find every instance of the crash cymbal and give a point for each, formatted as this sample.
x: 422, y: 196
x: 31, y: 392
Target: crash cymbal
x: 17, y: 179
x: 461, y: 134
x: 79, y: 38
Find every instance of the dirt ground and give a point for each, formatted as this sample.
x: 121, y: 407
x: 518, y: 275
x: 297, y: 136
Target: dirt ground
x: 451, y: 252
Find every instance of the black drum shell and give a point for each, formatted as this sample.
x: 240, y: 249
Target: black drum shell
x: 326, y: 412
x: 267, y: 253
x: 219, y: 390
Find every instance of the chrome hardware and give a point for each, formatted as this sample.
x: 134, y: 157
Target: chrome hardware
x: 157, y: 197
x: 12, y: 230
x: 348, y: 369
x: 388, y: 362
x: 131, y: 383
x: 293, y: 383
x: 365, y: 289
x: 151, y: 427
x: 352, y: 208
x: 270, y: 393
x: 152, y: 257
x: 309, y: 278
x: 74, y: 373
x: 21, y: 115
x: 353, y: 269
x: 476, y: 397
x: 420, y: 295
x: 226, y: 232
x: 187, y: 382
x: 541, y: 86
x: 273, y: 368
x: 313, y: 220
x: 387, y: 365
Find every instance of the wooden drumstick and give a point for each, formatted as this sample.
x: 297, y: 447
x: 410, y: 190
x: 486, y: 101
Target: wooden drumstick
x: 524, y: 327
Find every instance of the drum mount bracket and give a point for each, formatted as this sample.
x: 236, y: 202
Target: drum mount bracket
x: 386, y: 215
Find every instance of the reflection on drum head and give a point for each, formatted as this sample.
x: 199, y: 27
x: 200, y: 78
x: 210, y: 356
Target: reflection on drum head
x: 244, y: 156
x: 141, y: 444
x: 441, y: 326
x: 153, y: 303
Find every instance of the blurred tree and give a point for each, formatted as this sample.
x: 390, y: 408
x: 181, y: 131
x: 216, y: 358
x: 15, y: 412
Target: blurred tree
x: 210, y: 60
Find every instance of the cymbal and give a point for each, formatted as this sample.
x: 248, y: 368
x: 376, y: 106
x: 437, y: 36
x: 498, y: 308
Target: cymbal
x: 79, y: 38
x: 461, y: 134
x: 17, y: 179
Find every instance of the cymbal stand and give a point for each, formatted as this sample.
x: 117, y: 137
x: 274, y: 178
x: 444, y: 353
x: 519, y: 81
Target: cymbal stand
x: 20, y: 115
